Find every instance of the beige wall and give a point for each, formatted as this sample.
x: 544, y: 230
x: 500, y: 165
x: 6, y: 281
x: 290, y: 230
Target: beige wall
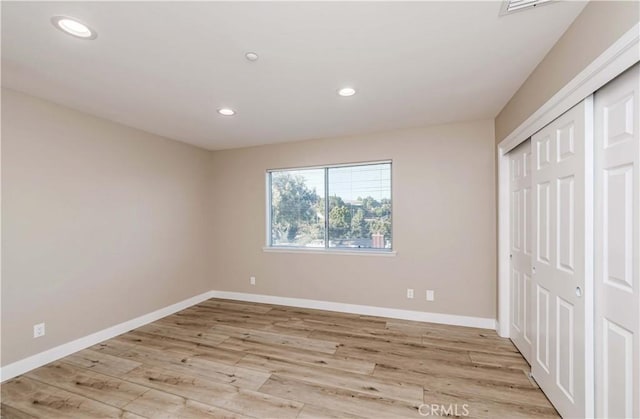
x: 599, y: 25
x: 103, y: 223
x: 444, y: 222
x: 100, y: 223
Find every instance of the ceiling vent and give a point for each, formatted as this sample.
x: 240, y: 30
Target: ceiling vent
x: 512, y: 6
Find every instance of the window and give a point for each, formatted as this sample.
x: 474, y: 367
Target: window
x: 357, y: 199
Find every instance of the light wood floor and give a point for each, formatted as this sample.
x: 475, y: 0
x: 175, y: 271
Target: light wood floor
x: 231, y: 359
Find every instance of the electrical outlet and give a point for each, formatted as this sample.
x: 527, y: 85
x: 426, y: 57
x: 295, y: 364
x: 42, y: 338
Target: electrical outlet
x: 409, y: 292
x: 38, y: 330
x: 430, y: 295
x: 252, y: 280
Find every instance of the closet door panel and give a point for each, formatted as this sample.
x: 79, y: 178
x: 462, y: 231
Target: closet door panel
x: 560, y: 273
x: 521, y: 249
x: 617, y: 251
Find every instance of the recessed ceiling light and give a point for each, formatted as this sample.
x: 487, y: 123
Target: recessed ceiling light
x: 73, y: 27
x: 347, y: 91
x: 226, y: 112
x: 251, y: 56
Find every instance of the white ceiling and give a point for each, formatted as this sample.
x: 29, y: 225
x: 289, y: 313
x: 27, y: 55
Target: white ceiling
x: 165, y: 67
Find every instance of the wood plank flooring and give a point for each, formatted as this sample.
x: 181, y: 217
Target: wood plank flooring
x: 229, y: 359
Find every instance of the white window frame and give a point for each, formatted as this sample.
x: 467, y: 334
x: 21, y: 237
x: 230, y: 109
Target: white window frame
x: 326, y: 249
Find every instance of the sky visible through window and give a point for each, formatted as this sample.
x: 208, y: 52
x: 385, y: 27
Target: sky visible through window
x: 351, y: 182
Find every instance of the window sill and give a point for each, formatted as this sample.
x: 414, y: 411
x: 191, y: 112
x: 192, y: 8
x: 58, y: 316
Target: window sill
x: 324, y: 251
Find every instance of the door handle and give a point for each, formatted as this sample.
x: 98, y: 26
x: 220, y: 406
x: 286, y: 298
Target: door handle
x: 579, y: 291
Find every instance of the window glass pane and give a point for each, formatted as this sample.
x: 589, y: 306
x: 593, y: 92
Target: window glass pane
x: 297, y: 208
x: 360, y: 206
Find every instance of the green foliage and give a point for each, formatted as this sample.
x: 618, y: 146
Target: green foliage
x: 293, y: 206
x: 339, y: 222
x: 378, y: 216
x: 382, y: 226
x: 369, y: 204
x: 359, y: 226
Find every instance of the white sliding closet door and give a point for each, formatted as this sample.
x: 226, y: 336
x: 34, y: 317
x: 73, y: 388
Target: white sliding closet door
x: 561, y: 273
x: 617, y: 152
x: 520, y: 248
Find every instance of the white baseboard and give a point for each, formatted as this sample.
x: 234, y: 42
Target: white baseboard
x: 394, y: 313
x: 499, y: 331
x: 53, y: 354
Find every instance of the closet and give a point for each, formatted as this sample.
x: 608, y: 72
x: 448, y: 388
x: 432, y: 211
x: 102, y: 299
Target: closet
x: 574, y: 253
